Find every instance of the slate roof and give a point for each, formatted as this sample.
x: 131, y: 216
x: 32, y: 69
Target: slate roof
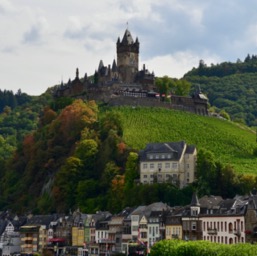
x: 210, y: 201
x: 176, y: 148
x: 194, y: 201
x: 41, y: 220
x: 127, y: 38
x: 3, y: 224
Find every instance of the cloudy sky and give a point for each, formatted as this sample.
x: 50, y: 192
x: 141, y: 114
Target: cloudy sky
x: 42, y: 42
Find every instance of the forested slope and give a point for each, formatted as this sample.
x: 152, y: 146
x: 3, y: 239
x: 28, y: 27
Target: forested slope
x: 230, y: 86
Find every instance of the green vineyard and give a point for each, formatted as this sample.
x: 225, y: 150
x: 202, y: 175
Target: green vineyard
x: 231, y: 143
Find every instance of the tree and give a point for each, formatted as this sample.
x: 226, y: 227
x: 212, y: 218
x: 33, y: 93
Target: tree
x: 164, y: 84
x: 110, y: 171
x: 182, y: 87
x: 131, y: 170
x: 205, y: 172
x: 66, y: 181
x: 111, y: 121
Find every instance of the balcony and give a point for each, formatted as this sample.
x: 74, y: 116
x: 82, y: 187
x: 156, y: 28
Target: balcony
x: 27, y: 238
x: 212, y: 231
x: 106, y: 241
x: 126, y: 237
x: 237, y: 232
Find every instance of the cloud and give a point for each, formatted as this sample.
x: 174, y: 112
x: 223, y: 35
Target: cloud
x: 36, y: 32
x: 5, y: 6
x: 179, y: 63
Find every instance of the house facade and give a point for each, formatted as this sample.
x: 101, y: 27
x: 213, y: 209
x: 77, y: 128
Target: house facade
x: 225, y: 229
x: 170, y: 162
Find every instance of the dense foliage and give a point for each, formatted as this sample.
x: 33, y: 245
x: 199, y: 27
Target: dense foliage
x: 231, y: 87
x: 77, y: 158
x: 200, y: 248
x: 11, y: 100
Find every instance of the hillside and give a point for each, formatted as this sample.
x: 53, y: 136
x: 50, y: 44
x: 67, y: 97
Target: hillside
x: 230, y: 86
x: 230, y: 143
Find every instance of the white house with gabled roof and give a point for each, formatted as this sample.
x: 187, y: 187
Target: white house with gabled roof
x: 173, y: 162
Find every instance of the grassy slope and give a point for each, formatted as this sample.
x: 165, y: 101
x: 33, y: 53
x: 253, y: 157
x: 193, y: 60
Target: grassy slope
x: 229, y: 142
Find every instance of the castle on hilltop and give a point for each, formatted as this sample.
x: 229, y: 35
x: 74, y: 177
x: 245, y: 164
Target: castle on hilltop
x: 122, y: 83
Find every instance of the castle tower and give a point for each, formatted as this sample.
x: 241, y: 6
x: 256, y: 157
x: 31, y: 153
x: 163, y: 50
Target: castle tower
x: 127, y: 57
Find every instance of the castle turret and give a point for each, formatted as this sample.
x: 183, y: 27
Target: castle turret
x: 127, y: 57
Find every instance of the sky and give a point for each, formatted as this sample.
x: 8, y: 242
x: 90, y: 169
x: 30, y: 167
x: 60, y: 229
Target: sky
x: 42, y: 42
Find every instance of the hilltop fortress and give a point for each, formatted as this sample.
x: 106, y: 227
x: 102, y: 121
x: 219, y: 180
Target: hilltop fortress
x: 122, y: 83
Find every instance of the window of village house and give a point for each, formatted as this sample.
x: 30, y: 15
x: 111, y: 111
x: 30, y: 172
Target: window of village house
x: 163, y: 156
x: 242, y: 226
x: 145, y: 166
x: 150, y: 156
x: 145, y: 176
x: 151, y: 166
x: 174, y: 165
x: 193, y: 225
x: 159, y: 165
x: 188, y: 166
x: 221, y: 226
x: 169, y: 156
x: 167, y: 165
x: 143, y: 235
x: 157, y: 156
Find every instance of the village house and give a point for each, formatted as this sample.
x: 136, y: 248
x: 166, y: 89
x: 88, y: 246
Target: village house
x: 168, y: 162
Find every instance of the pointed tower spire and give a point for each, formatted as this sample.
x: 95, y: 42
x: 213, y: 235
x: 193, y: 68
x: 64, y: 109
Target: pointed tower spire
x: 114, y: 66
x: 194, y: 200
x: 127, y: 38
x: 101, y: 64
x: 77, y: 73
x: 195, y: 205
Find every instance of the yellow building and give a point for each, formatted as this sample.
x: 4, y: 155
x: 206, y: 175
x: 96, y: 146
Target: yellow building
x: 173, y: 227
x: 78, y: 236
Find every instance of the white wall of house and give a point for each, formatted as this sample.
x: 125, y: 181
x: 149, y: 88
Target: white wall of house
x: 224, y: 229
x: 153, y: 233
x: 101, y: 235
